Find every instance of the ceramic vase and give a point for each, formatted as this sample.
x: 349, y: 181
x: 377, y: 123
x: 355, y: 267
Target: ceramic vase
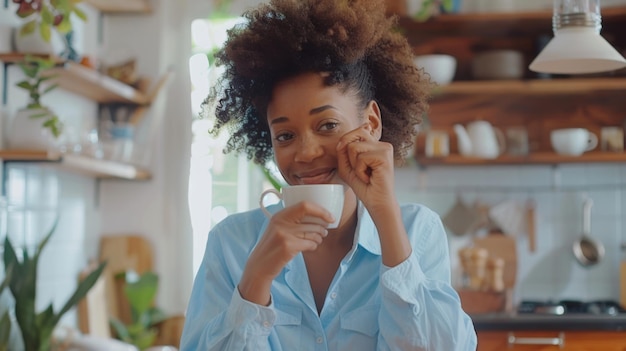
x: 27, y: 133
x: 33, y: 43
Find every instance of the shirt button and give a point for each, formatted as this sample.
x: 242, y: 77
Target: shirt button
x: 333, y: 295
x: 266, y: 324
x: 319, y: 340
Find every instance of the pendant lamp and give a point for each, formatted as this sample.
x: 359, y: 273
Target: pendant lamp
x: 577, y: 46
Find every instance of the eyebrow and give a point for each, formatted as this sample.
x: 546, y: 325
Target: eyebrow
x: 312, y: 112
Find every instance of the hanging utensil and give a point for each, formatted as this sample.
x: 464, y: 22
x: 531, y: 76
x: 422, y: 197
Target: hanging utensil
x: 530, y: 225
x: 588, y: 251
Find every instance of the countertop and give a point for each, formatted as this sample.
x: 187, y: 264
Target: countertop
x: 567, y: 322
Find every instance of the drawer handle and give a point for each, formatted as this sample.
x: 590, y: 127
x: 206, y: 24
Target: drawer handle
x: 558, y: 341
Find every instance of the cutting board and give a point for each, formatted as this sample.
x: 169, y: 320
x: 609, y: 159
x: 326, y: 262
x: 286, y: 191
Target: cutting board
x: 502, y: 246
x: 92, y: 310
x: 124, y: 252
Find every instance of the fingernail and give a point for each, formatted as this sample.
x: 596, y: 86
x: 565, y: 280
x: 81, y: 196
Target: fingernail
x: 339, y: 145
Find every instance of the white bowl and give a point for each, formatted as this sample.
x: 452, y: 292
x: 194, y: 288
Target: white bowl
x: 498, y: 64
x: 440, y: 67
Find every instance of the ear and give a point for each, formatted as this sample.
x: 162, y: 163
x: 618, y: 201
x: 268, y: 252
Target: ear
x: 373, y: 117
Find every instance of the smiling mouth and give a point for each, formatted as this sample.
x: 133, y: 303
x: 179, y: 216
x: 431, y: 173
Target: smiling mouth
x: 316, y: 177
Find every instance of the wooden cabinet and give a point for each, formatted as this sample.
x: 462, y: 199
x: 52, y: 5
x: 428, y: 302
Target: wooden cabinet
x: 551, y: 341
x: 538, y: 103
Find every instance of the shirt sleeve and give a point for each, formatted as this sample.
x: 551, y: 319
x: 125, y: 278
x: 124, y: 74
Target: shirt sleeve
x: 420, y: 309
x: 217, y: 317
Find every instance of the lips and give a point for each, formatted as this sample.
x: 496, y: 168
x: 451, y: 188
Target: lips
x: 317, y: 176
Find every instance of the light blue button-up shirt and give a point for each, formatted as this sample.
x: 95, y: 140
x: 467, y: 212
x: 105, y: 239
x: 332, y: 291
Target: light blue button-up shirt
x: 369, y: 306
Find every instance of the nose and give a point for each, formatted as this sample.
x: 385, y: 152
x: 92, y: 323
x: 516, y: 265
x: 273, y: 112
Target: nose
x: 309, y: 149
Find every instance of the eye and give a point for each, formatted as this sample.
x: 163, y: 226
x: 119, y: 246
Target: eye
x: 283, y: 137
x: 329, y: 126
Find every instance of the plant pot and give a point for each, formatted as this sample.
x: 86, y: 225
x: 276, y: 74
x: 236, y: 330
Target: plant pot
x: 33, y: 43
x: 28, y: 133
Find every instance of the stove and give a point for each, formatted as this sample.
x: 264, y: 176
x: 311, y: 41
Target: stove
x: 568, y: 307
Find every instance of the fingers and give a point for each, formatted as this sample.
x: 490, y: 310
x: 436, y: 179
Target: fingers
x: 360, y: 154
x: 301, y: 227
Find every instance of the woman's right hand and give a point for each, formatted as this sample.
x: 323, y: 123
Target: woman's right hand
x: 286, y: 235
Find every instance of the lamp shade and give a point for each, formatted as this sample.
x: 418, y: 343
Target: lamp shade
x: 577, y: 46
x: 577, y: 50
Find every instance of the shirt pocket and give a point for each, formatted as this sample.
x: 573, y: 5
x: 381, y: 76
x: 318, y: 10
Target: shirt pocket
x: 363, y: 320
x: 288, y: 326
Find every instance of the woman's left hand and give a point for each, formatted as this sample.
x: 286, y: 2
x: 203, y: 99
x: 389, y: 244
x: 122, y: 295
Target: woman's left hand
x: 367, y: 166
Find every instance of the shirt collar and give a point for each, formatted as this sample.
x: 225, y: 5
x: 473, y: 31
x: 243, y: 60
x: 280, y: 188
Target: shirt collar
x: 366, y: 235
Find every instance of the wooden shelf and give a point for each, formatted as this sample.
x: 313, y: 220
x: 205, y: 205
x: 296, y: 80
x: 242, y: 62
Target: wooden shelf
x: 121, y: 6
x: 483, y: 24
x: 15, y: 57
x: 81, y: 164
x: 94, y: 85
x: 86, y: 82
x: 534, y: 86
x: 541, y: 158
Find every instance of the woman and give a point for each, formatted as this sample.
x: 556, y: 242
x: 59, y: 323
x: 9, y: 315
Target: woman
x: 328, y: 90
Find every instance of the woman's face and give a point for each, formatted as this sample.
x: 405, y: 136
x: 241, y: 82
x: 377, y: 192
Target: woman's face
x: 306, y: 120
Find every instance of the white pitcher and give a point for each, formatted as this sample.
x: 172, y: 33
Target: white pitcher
x: 480, y: 139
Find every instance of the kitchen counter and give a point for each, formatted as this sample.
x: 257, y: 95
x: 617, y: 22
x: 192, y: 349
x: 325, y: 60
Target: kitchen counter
x: 531, y: 322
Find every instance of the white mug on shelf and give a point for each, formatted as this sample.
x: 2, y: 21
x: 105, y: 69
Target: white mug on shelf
x: 573, y: 141
x: 329, y: 196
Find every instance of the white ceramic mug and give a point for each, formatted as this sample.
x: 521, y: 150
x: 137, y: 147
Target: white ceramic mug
x: 329, y: 196
x: 573, y: 141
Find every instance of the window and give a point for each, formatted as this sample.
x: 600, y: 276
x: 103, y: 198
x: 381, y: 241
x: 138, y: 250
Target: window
x: 214, y: 177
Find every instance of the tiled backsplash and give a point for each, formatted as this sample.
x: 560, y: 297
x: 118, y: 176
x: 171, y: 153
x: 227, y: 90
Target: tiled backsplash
x: 36, y: 197
x: 558, y: 191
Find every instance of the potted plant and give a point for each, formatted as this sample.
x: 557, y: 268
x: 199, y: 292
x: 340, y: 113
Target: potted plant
x: 31, y: 123
x: 429, y: 8
x: 139, y: 292
x: 21, y: 278
x: 51, y: 19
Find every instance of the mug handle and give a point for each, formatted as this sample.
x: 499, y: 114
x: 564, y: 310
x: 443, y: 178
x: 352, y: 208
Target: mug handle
x: 268, y: 191
x: 592, y: 142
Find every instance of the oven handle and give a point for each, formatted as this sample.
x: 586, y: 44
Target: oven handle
x: 558, y: 341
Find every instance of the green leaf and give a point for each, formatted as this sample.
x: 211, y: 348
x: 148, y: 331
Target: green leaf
x: 45, y: 318
x: 50, y: 88
x: 65, y: 26
x: 44, y: 31
x: 80, y: 13
x: 28, y: 28
x: 268, y: 175
x: 46, y: 15
x: 448, y: 5
x: 120, y: 329
x: 55, y: 125
x: 155, y: 316
x: 141, y: 293
x: 25, y: 85
x: 145, y: 339
x: 10, y: 258
x: 45, y: 240
x: 5, y: 331
x: 29, y: 70
x: 81, y: 291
